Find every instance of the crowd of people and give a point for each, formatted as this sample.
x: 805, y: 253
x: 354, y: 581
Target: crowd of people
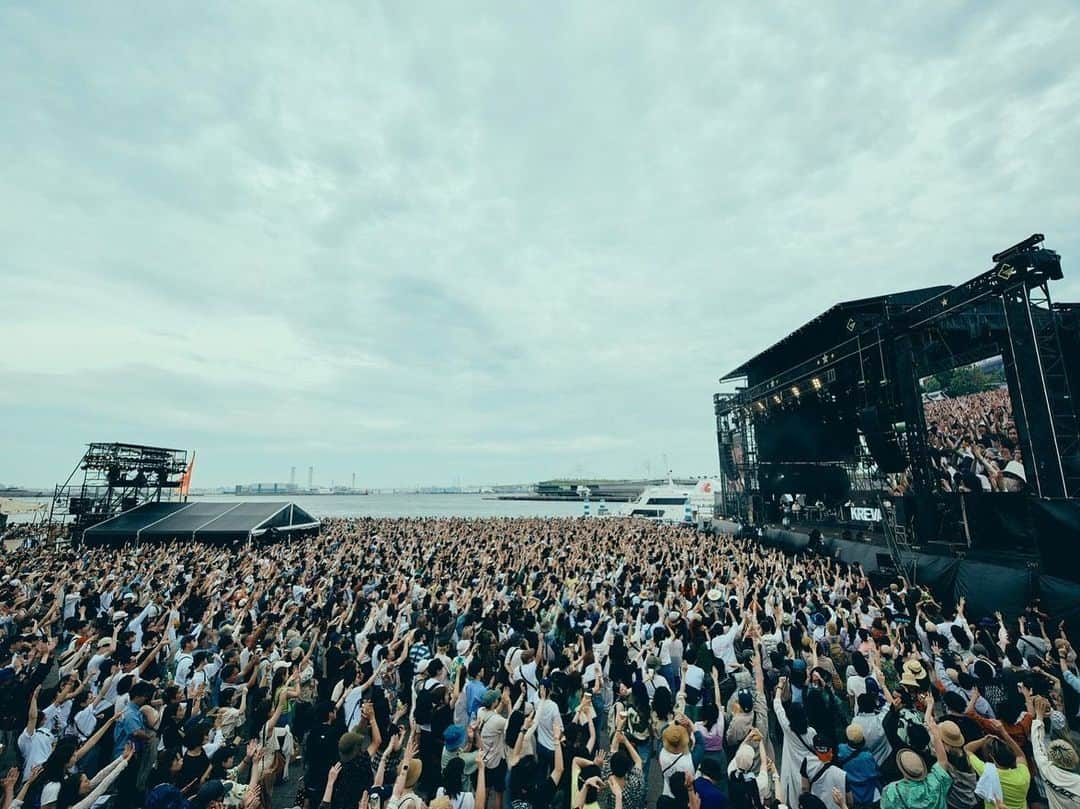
x: 973, y: 442
x: 521, y: 664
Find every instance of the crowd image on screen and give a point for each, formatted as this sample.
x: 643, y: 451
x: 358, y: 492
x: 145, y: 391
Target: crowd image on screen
x: 519, y: 664
x: 973, y: 443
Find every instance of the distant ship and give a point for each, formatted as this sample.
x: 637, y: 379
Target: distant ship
x: 675, y: 502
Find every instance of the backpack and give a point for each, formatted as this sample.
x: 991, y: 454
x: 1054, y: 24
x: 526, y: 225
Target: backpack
x: 425, y: 707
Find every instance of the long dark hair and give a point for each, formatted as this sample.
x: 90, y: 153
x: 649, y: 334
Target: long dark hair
x: 743, y: 791
x: 452, y: 776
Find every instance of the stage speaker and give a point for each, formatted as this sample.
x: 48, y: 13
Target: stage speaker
x: 78, y: 505
x: 881, y: 440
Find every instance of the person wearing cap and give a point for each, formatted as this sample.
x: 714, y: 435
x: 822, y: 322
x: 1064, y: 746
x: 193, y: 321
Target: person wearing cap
x: 821, y: 774
x: 351, y: 776
x: 750, y: 772
x: 919, y: 787
x: 457, y: 739
x: 863, y: 776
x: 461, y: 658
x: 964, y: 778
x: 404, y: 795
x: 491, y: 720
x: 652, y: 677
x: 675, y: 753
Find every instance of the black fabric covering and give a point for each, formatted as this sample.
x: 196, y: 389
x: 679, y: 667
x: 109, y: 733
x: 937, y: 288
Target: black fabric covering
x: 244, y: 517
x: 1060, y: 598
x: 1057, y: 526
x: 988, y: 586
x: 209, y: 521
x: 128, y: 523
x: 188, y: 520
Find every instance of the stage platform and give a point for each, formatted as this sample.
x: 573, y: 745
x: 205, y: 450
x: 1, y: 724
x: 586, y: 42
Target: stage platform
x: 988, y: 580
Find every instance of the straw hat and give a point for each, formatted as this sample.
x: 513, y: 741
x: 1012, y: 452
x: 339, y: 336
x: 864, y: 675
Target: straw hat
x: 950, y: 734
x: 855, y: 735
x: 911, y: 765
x: 675, y: 739
x: 413, y: 775
x: 913, y: 672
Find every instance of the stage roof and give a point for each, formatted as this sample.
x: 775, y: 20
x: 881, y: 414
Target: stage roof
x: 827, y: 330
x: 213, y: 521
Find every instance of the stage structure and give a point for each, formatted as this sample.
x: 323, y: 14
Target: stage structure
x: 940, y: 419
x: 113, y: 478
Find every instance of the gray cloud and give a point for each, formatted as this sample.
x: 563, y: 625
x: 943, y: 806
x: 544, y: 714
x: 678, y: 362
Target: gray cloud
x: 486, y: 243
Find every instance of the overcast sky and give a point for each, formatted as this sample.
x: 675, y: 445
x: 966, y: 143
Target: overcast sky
x: 485, y: 242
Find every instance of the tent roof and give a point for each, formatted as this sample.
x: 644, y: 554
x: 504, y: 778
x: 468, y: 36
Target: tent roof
x: 796, y: 342
x: 211, y: 520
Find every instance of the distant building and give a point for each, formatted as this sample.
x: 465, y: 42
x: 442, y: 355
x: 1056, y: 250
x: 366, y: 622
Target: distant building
x: 265, y: 488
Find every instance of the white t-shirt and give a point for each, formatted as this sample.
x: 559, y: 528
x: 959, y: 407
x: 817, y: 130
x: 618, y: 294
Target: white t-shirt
x: 527, y: 673
x: 671, y: 763
x: 856, y: 685
x: 36, y: 748
x: 833, y: 777
x: 50, y: 792
x: 464, y: 800
x: 723, y: 646
x: 351, y: 707
x: 184, y: 662
x: 548, y: 723
x: 695, y: 677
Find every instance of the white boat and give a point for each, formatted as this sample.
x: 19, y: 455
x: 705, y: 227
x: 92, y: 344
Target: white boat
x: 675, y: 503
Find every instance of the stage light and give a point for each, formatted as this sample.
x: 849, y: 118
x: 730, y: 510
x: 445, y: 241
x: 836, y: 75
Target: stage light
x: 760, y: 406
x: 815, y: 383
x: 795, y: 391
x: 776, y: 398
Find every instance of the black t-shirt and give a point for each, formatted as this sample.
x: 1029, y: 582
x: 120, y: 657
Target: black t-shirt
x: 968, y: 726
x: 542, y: 797
x: 320, y: 753
x: 354, y: 779
x: 192, y: 770
x: 335, y: 659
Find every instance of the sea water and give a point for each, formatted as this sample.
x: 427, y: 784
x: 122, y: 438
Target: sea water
x: 418, y: 505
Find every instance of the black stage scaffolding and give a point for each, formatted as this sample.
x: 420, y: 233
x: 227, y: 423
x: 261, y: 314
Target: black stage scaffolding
x: 112, y: 478
x: 830, y: 430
